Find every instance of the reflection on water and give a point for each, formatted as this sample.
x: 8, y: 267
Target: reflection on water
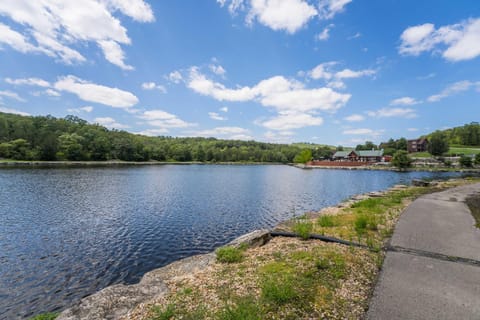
x: 68, y: 232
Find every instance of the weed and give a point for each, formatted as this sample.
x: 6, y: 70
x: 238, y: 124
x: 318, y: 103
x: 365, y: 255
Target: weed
x: 166, y: 313
x: 46, y: 316
x: 244, y: 308
x: 303, y: 228
x: 279, y: 290
x: 229, y: 254
x: 326, y: 221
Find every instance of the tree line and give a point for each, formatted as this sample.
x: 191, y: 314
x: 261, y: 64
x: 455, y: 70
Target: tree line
x: 74, y: 139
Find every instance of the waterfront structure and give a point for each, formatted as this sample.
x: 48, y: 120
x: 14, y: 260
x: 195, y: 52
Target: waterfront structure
x: 417, y: 145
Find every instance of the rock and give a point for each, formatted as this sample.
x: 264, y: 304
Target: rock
x: 256, y: 238
x: 420, y: 183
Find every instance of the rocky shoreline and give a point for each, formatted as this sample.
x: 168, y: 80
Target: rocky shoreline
x: 119, y: 301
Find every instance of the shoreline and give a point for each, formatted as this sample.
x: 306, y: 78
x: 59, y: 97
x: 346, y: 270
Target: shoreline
x: 131, y: 299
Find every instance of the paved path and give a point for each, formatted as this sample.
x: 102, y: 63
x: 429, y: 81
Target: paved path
x: 433, y: 268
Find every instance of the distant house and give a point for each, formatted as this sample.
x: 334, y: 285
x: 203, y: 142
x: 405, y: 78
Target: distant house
x: 417, y: 145
x: 359, y: 156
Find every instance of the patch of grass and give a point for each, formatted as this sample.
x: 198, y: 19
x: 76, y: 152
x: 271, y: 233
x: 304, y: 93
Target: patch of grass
x: 278, y: 290
x: 243, y: 308
x: 229, y: 254
x: 46, y: 316
x: 326, y: 221
x: 163, y: 313
x: 303, y: 228
x: 473, y: 203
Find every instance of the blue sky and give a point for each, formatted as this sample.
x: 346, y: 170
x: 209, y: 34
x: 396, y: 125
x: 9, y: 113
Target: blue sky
x: 323, y: 71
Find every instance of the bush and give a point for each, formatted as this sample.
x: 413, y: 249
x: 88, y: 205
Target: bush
x: 465, y: 161
x: 229, y: 254
x: 401, y: 159
x: 279, y: 290
x: 326, y: 221
x: 303, y: 228
x: 477, y: 159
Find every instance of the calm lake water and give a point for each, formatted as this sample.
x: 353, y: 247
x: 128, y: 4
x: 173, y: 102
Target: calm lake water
x: 68, y: 232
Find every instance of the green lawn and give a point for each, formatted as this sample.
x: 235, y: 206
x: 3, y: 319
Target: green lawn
x: 464, y: 150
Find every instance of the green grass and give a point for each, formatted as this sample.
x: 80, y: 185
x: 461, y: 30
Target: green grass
x: 464, y: 150
x: 326, y: 221
x: 229, y: 254
x: 303, y: 228
x: 473, y: 203
x: 46, y: 316
x: 243, y: 308
x: 420, y: 155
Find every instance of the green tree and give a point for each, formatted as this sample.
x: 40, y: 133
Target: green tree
x: 477, y: 159
x: 401, y: 144
x: 465, y: 161
x: 401, y: 159
x: 70, y: 147
x: 438, y: 143
x: 304, y: 156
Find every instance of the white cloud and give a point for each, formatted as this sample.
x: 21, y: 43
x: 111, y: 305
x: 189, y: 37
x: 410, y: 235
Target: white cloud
x: 216, y: 116
x: 153, y: 132
x: 279, y: 136
x: 455, y: 42
x: 393, y: 112
x: 52, y: 93
x: 322, y: 71
x: 325, y: 34
x: 327, y: 9
x: 325, y: 71
x: 355, y: 36
x: 224, y: 109
x: 235, y: 133
x: 163, y: 119
x: 277, y: 92
x: 87, y: 109
x: 412, y: 129
x: 428, y: 76
x: 110, y: 123
x: 452, y: 89
x: 91, y: 92
x: 56, y: 26
x: 217, y: 69
x: 287, y: 121
x: 175, y: 76
x: 404, y: 101
x: 28, y: 82
x: 8, y: 110
x: 349, y: 74
x: 354, y: 118
x: 153, y: 86
x: 11, y: 95
x: 364, y: 132
x: 114, y: 53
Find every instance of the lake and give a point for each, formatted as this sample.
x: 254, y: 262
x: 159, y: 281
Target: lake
x: 66, y: 233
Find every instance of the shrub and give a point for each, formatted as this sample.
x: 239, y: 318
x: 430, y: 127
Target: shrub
x: 303, y: 228
x: 364, y: 222
x: 46, y: 316
x: 326, y: 221
x: 279, y: 289
x: 166, y: 313
x: 401, y: 159
x: 229, y: 254
x: 465, y: 161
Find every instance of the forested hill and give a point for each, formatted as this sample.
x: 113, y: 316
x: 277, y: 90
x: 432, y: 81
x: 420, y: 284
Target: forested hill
x: 74, y: 139
x: 466, y: 135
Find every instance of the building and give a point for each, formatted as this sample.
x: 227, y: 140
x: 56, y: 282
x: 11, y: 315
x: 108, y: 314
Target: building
x: 359, y: 156
x: 417, y: 145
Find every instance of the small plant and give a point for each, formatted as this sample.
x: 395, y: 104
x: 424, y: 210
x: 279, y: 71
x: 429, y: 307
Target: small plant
x: 229, y: 254
x: 326, y: 221
x: 166, y: 313
x: 360, y: 224
x: 244, y: 308
x: 279, y: 290
x: 46, y: 316
x: 303, y: 228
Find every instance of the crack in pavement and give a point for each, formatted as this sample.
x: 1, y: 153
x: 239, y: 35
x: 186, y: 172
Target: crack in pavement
x: 434, y: 255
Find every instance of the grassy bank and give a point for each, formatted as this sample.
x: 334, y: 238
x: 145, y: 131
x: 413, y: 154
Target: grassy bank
x: 291, y: 278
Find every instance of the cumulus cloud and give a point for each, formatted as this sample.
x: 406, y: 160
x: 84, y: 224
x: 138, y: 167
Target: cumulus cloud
x: 224, y: 109
x: 55, y: 26
x: 235, y: 133
x: 363, y: 132
x: 335, y: 79
x: 217, y: 69
x: 14, y: 111
x: 287, y: 121
x: 325, y: 34
x: 153, y: 132
x: 92, y: 92
x: 154, y: 86
x: 404, y: 101
x: 455, y: 42
x: 327, y: 9
x: 86, y: 109
x: 452, y: 89
x: 163, y: 120
x: 216, y: 116
x: 110, y: 123
x: 393, y: 112
x: 354, y: 118
x: 28, y: 81
x: 412, y: 129
x: 11, y: 95
x: 175, y: 76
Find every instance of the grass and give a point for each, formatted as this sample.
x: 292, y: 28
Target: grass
x: 464, y: 150
x: 326, y: 221
x: 46, y: 316
x: 473, y: 203
x: 303, y: 228
x: 242, y: 308
x: 229, y: 254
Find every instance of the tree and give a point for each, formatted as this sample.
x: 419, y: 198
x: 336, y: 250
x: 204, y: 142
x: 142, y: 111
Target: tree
x: 303, y: 157
x: 339, y: 148
x: 465, y: 161
x: 477, y: 159
x: 401, y: 159
x: 438, y: 143
x: 70, y: 147
x: 401, y: 144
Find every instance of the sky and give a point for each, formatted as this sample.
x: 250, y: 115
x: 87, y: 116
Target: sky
x: 336, y: 72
